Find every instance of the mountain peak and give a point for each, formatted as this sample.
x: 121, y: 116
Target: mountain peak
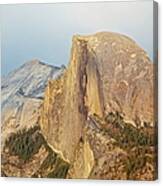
x: 33, y: 62
x: 97, y: 116
x: 107, y: 73
x: 31, y: 77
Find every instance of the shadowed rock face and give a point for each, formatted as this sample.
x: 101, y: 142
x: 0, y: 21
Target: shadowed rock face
x: 96, y: 117
x: 107, y: 73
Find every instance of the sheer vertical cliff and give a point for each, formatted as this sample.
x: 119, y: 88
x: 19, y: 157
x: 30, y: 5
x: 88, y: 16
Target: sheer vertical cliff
x: 109, y: 79
x: 95, y: 119
x: 69, y: 100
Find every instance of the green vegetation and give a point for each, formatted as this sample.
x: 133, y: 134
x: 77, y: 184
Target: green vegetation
x: 52, y: 167
x: 136, y: 161
x: 25, y: 143
x: 49, y: 161
x: 139, y: 143
x: 126, y: 135
x: 60, y: 171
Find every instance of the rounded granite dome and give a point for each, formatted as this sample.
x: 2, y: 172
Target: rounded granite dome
x: 120, y: 61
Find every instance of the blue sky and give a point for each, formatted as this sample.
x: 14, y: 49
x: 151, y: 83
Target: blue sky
x: 44, y: 31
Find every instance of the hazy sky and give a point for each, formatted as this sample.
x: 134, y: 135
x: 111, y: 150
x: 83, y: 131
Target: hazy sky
x: 44, y: 31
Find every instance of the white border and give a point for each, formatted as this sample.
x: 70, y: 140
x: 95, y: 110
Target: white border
x: 35, y: 182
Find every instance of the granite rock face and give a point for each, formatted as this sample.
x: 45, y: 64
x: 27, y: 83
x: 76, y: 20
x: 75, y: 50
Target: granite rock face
x: 109, y: 80
x: 24, y: 150
x: 22, y: 93
x: 94, y: 119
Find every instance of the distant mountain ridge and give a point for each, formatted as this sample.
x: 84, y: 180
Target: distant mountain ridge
x: 22, y: 91
x: 95, y: 119
x: 31, y: 77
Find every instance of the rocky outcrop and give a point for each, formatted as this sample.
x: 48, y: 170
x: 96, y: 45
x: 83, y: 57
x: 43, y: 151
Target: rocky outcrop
x: 83, y: 161
x: 22, y: 95
x: 24, y: 150
x: 74, y: 93
x: 108, y: 74
x: 27, y: 154
x: 96, y: 119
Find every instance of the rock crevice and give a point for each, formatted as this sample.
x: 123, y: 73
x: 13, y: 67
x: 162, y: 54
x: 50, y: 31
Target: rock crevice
x: 79, y: 95
x: 108, y: 75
